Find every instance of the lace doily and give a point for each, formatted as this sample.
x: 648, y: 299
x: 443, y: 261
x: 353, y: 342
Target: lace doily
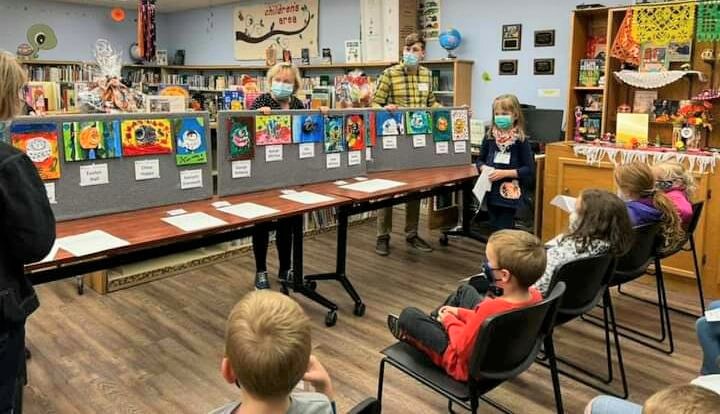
x: 594, y: 154
x: 707, y: 26
x: 625, y: 47
x: 663, y: 24
x: 654, y: 80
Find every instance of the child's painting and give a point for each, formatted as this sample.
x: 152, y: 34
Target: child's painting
x: 460, y: 125
x: 40, y: 143
x: 146, y: 137
x: 94, y: 140
x: 334, y: 134
x: 371, y: 134
x: 273, y: 130
x: 418, y: 122
x: 442, y: 126
x: 389, y: 123
x: 355, y: 132
x: 240, y: 134
x: 190, y: 141
x: 308, y: 128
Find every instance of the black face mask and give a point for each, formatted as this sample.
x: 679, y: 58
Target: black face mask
x: 485, y: 282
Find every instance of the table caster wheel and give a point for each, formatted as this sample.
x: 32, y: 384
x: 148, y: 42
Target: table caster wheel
x: 444, y: 240
x: 331, y: 318
x: 359, y: 309
x: 312, y: 285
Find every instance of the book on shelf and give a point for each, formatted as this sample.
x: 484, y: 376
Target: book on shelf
x: 233, y: 100
x: 593, y: 102
x: 590, y: 72
x: 595, y: 47
x: 321, y: 96
x: 644, y: 101
x: 60, y: 73
x: 591, y: 123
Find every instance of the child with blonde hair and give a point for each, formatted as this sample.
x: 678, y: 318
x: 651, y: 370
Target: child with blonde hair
x: 508, y: 153
x: 678, y: 184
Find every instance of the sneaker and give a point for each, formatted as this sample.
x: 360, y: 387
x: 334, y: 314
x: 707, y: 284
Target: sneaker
x: 393, y: 324
x: 383, y: 246
x: 285, y: 276
x: 261, y: 281
x: 420, y: 244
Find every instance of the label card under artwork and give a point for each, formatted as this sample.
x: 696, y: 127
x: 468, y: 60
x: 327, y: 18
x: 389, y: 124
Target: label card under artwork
x: 389, y: 142
x: 354, y: 158
x: 419, y: 141
x: 147, y: 169
x: 332, y: 161
x: 273, y: 153
x: 95, y: 174
x: 368, y: 154
x: 307, y: 150
x: 442, y: 147
x: 460, y: 147
x: 191, y: 179
x: 50, y: 190
x: 241, y: 169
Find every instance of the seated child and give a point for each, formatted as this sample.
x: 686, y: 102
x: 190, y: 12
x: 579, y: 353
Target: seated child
x: 600, y: 225
x: 515, y: 259
x: 267, y: 353
x: 678, y: 185
x: 646, y: 204
x: 709, y: 337
x: 677, y: 399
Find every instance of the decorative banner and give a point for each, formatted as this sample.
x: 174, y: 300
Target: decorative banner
x: 460, y: 123
x: 707, y: 27
x: 91, y: 140
x: 146, y: 137
x: 697, y: 162
x: 308, y: 128
x: 390, y: 123
x: 663, y: 24
x: 419, y: 122
x: 288, y: 24
x: 355, y: 132
x: 334, y: 133
x: 273, y: 129
x: 190, y: 141
x: 442, y: 126
x: 240, y: 134
x: 40, y: 143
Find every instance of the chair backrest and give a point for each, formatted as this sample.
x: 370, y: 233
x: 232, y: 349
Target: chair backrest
x: 642, y: 251
x: 509, y: 342
x: 697, y: 209
x: 585, y: 282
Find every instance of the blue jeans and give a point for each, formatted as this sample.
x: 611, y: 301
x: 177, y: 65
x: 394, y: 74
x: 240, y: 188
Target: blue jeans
x: 709, y: 336
x: 605, y: 404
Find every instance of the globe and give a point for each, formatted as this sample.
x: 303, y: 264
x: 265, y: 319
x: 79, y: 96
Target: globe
x: 449, y: 40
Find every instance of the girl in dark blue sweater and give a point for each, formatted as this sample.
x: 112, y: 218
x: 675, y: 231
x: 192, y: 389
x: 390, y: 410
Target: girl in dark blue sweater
x: 506, y: 150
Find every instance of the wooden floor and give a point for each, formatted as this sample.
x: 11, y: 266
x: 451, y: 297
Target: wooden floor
x: 156, y: 348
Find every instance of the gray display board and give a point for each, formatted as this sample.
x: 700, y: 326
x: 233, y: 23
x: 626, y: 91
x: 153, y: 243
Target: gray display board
x: 291, y: 171
x: 123, y: 192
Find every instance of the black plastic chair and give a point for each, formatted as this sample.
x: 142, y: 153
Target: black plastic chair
x: 687, y: 246
x: 506, y: 346
x: 367, y: 406
x: 587, y: 282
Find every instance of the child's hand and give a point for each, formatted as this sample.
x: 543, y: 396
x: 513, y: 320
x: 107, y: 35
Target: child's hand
x: 265, y: 110
x: 391, y: 107
x: 324, y: 110
x: 500, y: 174
x: 445, y: 310
x: 319, y: 378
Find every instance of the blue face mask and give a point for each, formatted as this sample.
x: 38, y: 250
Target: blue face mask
x: 281, y: 90
x: 410, y: 59
x: 503, y: 121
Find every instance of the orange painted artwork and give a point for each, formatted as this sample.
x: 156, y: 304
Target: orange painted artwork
x: 146, y: 137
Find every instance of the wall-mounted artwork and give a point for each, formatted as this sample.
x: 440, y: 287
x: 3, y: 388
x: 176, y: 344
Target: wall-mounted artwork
x: 146, y: 137
x: 40, y: 37
x: 544, y: 66
x: 544, y: 38
x: 389, y: 123
x: 40, y: 143
x: 94, y: 140
x: 418, y: 122
x: 355, y: 132
x: 334, y: 141
x: 308, y: 128
x: 190, y: 141
x: 442, y: 126
x: 371, y: 135
x: 273, y: 129
x: 240, y: 134
x: 460, y: 125
x: 507, y: 67
x: 511, y: 37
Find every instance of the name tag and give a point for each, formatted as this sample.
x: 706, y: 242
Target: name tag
x: 423, y: 87
x: 502, y: 158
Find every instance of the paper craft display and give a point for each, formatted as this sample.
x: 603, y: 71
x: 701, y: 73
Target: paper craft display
x: 40, y: 143
x: 355, y: 132
x: 389, y: 123
x: 418, y: 122
x: 460, y: 124
x: 334, y: 141
x: 190, y: 141
x: 632, y: 130
x: 273, y: 129
x: 308, y: 128
x: 146, y: 137
x: 564, y: 203
x: 94, y: 140
x: 240, y: 134
x: 371, y: 134
x: 442, y: 129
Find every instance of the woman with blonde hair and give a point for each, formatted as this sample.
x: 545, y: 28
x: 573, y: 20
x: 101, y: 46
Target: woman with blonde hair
x: 27, y: 232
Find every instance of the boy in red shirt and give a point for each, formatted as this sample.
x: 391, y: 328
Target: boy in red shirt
x: 515, y: 260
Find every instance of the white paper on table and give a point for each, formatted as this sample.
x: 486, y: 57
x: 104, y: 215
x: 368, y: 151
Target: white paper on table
x: 147, y: 170
x: 483, y: 184
x: 361, y: 178
x: 51, y: 255
x: 90, y: 242
x: 248, y: 210
x: 564, y: 203
x: 221, y: 204
x: 389, y: 142
x: 340, y: 182
x: 332, y: 160
x: 288, y: 191
x: 307, y: 150
x: 371, y: 186
x: 176, y: 212
x: 94, y: 174
x: 419, y: 141
x: 194, y: 221
x: 354, y: 158
x: 50, y: 190
x: 712, y: 315
x: 241, y: 168
x: 306, y: 197
x: 273, y: 153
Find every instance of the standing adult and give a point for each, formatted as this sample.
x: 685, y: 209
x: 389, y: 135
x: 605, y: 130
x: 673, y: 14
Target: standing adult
x: 405, y: 85
x: 27, y: 232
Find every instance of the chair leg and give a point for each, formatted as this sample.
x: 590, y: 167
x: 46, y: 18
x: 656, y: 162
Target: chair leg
x: 450, y: 407
x: 616, y: 336
x: 698, y: 277
x: 550, y: 353
x: 381, y: 380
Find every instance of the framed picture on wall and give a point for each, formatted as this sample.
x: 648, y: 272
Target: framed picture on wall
x: 507, y: 67
x: 511, y: 36
x: 544, y: 66
x: 544, y: 38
